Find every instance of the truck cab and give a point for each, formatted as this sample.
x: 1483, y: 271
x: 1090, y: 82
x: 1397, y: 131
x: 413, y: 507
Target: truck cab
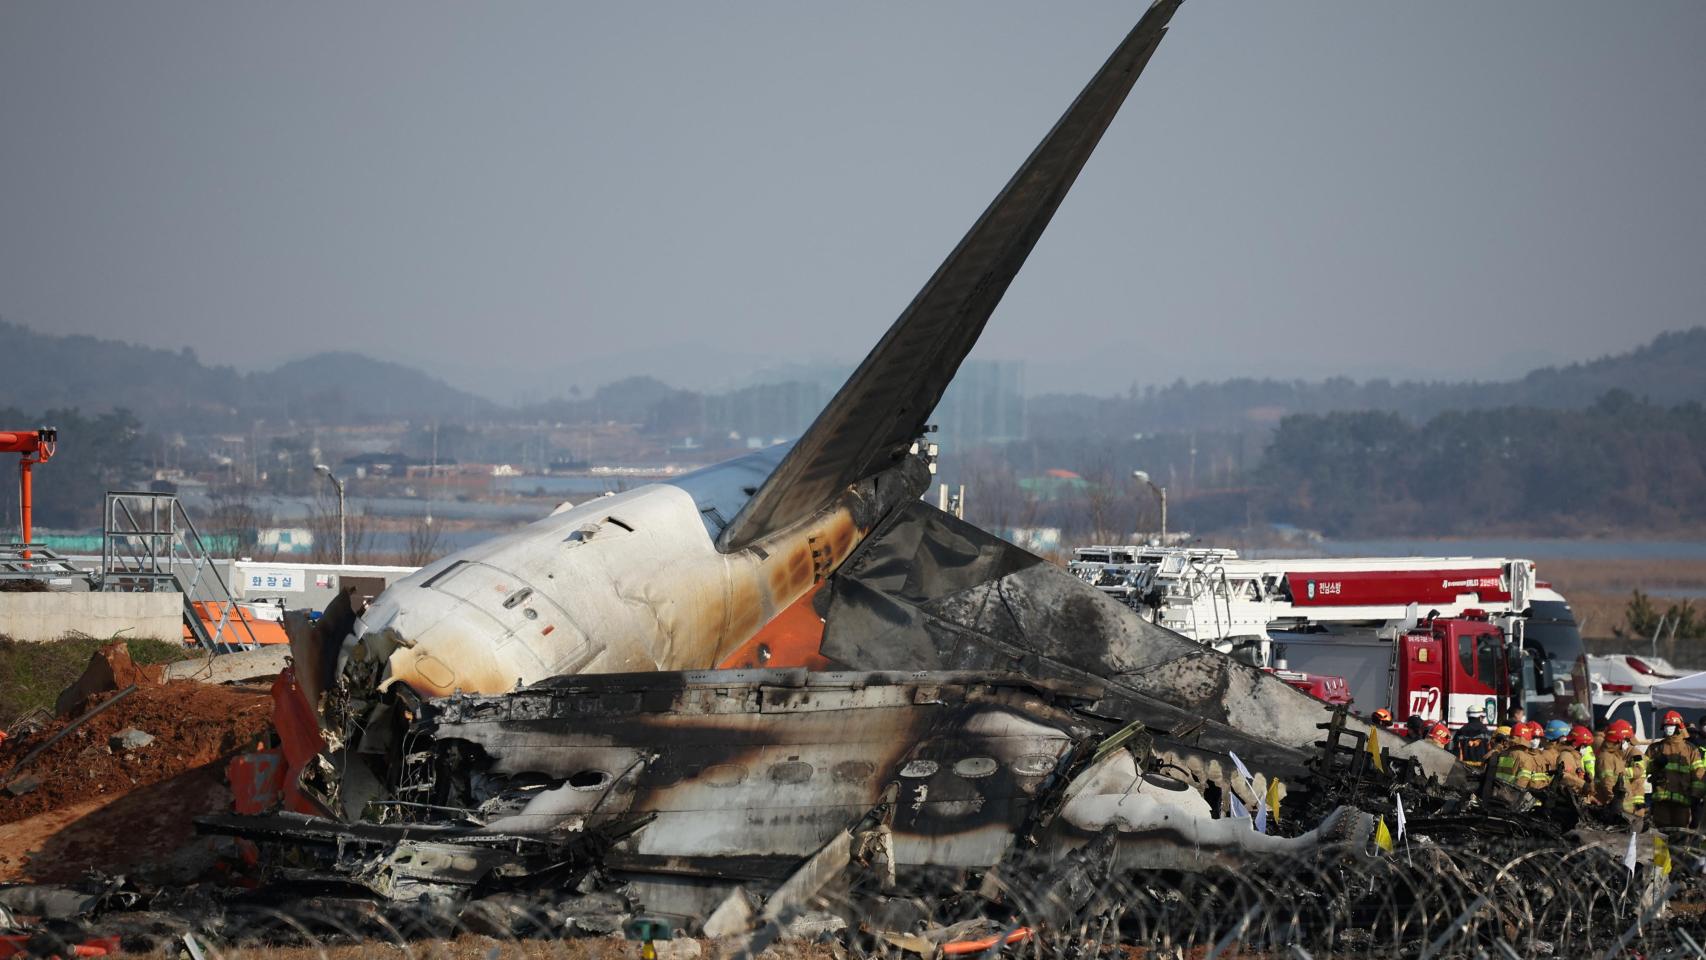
x: 1446, y: 665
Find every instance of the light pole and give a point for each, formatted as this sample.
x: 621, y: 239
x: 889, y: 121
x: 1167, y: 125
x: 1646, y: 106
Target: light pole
x: 343, y: 542
x: 1161, y: 493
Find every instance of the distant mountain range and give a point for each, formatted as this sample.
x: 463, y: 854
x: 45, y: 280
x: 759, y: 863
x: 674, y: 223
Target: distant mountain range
x: 170, y: 390
x: 1668, y: 371
x: 174, y: 390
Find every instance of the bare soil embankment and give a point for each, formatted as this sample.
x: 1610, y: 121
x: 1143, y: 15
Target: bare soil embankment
x: 86, y: 803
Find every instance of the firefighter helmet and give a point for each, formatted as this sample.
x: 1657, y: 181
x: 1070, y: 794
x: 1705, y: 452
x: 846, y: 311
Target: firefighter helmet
x: 1672, y: 718
x: 1440, y: 733
x: 1619, y: 732
x: 1503, y: 730
x: 1383, y: 717
x: 1580, y: 736
x: 1557, y: 729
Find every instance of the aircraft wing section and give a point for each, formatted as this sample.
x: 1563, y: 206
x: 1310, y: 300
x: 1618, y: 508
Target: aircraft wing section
x: 882, y: 407
x: 928, y: 591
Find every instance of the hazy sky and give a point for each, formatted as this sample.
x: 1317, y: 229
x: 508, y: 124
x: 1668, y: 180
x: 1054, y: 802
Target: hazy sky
x: 525, y: 196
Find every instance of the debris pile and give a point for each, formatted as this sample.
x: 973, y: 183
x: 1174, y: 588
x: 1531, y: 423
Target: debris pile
x: 114, y: 783
x: 152, y: 735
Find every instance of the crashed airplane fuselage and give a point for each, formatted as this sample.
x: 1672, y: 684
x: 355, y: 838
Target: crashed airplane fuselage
x: 627, y: 582
x: 677, y: 576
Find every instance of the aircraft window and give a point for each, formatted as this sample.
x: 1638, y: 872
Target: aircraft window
x: 791, y: 771
x: 974, y: 767
x: 1033, y: 765
x: 589, y: 779
x: 723, y: 775
x: 853, y: 771
x: 918, y: 768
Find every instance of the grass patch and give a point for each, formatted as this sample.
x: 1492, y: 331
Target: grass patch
x: 33, y: 674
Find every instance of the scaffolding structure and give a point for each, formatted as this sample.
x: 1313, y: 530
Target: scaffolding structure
x: 150, y: 544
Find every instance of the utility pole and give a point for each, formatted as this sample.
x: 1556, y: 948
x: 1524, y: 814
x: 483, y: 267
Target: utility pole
x: 338, y: 485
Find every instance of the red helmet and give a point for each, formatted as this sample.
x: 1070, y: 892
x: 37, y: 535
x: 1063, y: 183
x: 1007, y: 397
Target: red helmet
x: 1619, y: 732
x: 1439, y: 733
x: 1672, y: 718
x: 1580, y: 736
x: 1383, y: 717
x: 1531, y: 730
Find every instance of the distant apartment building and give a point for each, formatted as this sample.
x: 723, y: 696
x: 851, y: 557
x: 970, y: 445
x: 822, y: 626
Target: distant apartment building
x: 984, y: 404
x: 765, y: 411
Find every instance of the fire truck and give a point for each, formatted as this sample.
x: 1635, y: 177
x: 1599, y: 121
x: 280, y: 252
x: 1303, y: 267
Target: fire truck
x: 1429, y: 636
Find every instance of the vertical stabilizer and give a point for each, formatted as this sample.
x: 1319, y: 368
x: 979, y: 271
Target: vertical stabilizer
x: 882, y: 407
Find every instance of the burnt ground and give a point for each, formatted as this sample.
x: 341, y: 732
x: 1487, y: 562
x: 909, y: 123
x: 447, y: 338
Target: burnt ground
x: 126, y: 811
x: 471, y: 947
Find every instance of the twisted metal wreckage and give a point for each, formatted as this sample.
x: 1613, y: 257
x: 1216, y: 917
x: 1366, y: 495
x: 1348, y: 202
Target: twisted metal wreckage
x: 784, y: 682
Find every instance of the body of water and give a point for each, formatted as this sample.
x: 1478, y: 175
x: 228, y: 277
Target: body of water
x: 1528, y: 548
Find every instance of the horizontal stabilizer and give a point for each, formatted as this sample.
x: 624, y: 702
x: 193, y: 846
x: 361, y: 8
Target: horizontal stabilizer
x: 882, y: 407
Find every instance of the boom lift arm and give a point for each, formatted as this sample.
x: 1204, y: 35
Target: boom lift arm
x: 36, y: 446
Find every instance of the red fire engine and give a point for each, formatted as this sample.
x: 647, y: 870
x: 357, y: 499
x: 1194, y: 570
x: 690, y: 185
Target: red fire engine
x: 1378, y: 628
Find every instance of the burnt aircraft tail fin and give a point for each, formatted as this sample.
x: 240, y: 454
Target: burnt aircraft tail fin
x: 882, y: 407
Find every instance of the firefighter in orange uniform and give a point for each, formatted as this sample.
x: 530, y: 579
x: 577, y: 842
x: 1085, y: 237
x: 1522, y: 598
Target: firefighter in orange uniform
x: 1678, y: 774
x: 1582, y: 740
x: 1619, y: 783
x: 1564, y: 758
x: 1520, y: 765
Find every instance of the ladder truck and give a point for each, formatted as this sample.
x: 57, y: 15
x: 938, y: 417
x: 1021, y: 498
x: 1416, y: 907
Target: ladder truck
x: 1424, y: 636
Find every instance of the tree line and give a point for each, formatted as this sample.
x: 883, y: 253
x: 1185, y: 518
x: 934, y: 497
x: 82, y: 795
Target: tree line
x: 1620, y: 464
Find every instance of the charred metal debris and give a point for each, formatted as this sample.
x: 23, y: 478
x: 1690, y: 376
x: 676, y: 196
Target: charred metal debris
x: 902, y: 812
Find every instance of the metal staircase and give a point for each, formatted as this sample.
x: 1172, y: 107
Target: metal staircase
x: 150, y: 544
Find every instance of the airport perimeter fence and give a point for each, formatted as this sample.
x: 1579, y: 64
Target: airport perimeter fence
x: 1420, y: 901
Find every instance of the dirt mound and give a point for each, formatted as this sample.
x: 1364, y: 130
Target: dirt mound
x: 111, y: 668
x: 192, y: 725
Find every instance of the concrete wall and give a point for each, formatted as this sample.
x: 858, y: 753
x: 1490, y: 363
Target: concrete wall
x: 300, y: 585
x: 50, y: 616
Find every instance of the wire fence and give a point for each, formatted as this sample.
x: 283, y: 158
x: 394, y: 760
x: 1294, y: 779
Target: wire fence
x: 1422, y: 900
